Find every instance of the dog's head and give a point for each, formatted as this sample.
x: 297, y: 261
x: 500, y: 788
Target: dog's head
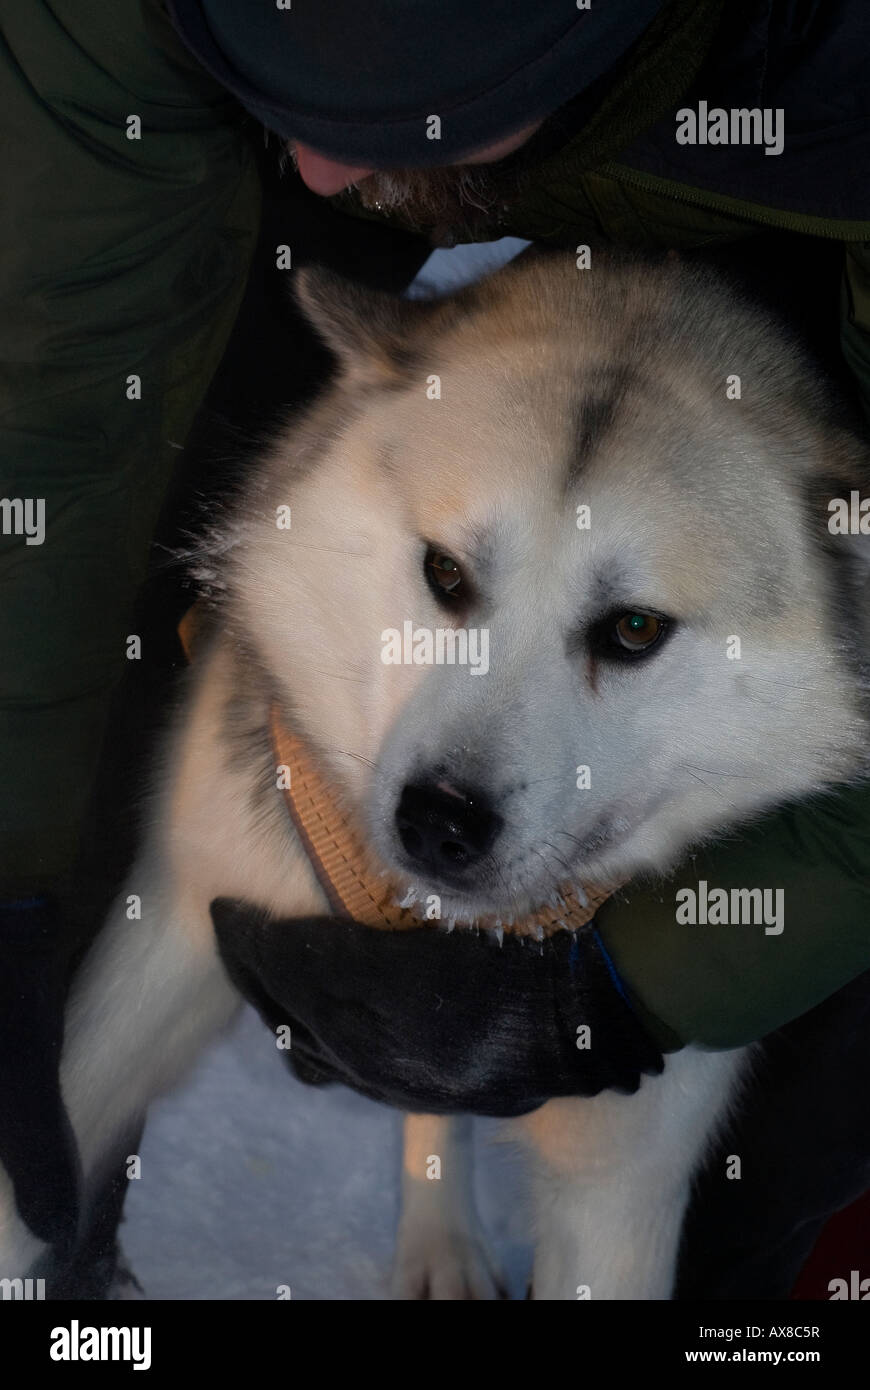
x: 558, y: 593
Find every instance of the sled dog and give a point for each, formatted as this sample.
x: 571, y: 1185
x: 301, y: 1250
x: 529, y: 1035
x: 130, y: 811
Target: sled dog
x: 554, y: 458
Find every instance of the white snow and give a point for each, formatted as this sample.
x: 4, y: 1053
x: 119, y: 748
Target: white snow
x: 251, y: 1180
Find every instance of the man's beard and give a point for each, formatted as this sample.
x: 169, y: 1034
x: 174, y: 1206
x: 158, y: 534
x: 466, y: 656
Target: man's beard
x: 451, y: 203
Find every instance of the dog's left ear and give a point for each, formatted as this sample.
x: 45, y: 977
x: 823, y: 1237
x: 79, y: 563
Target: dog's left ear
x: 374, y: 335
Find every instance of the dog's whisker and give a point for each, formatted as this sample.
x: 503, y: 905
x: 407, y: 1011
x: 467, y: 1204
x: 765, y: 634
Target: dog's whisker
x: 715, y: 771
x: 578, y: 842
x: 565, y: 865
x: 360, y: 758
x: 337, y: 675
x: 711, y: 788
x: 551, y: 879
x: 332, y: 550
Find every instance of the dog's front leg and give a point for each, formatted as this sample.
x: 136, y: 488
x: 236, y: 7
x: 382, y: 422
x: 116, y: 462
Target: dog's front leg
x: 440, y: 1250
x: 614, y: 1175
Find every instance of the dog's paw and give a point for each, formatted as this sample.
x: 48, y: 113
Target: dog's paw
x: 439, y: 1263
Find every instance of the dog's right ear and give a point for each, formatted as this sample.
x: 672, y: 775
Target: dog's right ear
x: 371, y: 333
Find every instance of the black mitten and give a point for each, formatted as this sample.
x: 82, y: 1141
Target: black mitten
x: 37, y: 1147
x: 439, y: 1022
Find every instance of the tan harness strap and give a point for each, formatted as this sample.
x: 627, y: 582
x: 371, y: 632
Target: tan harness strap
x: 352, y: 883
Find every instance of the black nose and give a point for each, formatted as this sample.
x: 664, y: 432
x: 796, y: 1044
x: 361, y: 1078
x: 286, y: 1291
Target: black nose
x: 445, y: 831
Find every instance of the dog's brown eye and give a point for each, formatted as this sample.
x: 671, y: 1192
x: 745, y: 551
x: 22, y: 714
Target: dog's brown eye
x: 443, y: 574
x: 637, y: 631
x: 625, y: 636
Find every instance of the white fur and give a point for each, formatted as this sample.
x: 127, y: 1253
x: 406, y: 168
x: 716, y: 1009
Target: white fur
x: 613, y: 1179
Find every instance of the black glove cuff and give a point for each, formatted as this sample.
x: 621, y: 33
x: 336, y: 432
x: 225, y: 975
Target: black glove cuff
x: 436, y: 1022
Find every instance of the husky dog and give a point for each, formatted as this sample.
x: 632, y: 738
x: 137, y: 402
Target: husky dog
x: 551, y: 456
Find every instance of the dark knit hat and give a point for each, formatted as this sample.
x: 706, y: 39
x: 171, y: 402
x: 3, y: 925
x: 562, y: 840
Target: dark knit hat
x: 359, y: 80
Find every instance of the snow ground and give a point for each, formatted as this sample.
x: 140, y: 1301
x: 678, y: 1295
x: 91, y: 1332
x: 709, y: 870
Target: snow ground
x: 251, y: 1179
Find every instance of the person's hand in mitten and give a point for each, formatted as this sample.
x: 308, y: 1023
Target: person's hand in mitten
x: 439, y: 1022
